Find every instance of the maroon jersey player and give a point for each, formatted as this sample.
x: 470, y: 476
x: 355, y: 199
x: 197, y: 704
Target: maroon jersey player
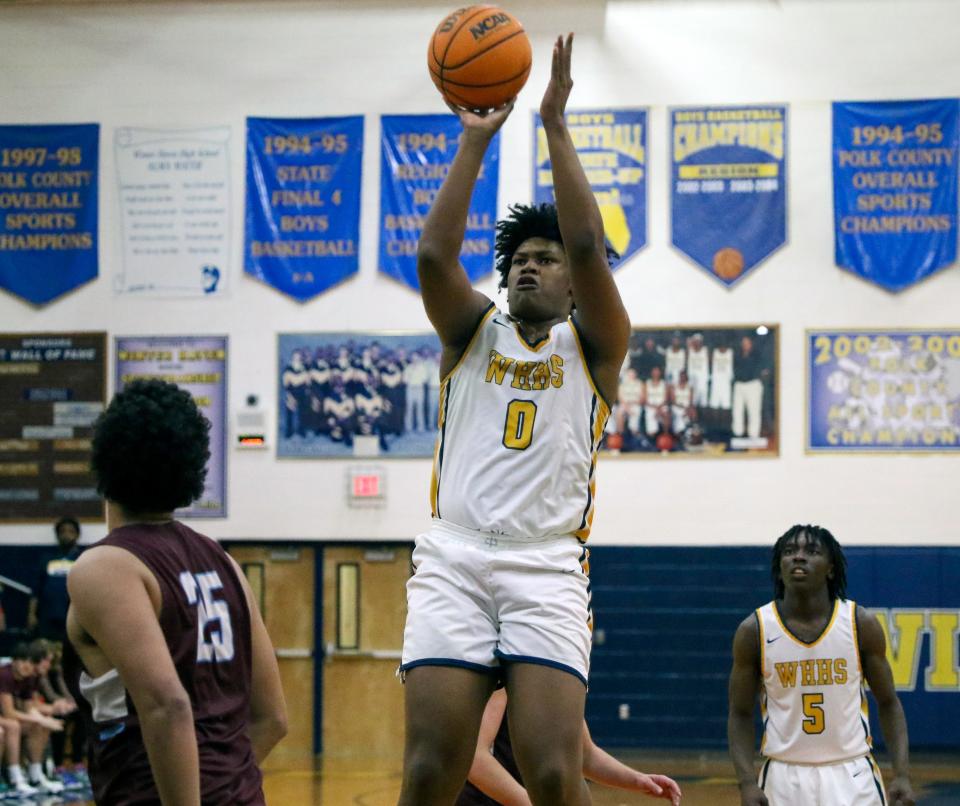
x: 168, y: 657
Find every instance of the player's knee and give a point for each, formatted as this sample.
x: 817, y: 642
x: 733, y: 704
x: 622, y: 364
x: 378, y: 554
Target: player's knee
x: 554, y: 781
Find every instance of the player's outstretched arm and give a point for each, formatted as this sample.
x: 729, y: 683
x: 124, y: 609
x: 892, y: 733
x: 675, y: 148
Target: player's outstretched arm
x: 876, y: 669
x: 111, y: 603
x: 743, y: 691
x: 599, y: 766
x: 486, y: 773
x: 600, y: 313
x: 452, y: 304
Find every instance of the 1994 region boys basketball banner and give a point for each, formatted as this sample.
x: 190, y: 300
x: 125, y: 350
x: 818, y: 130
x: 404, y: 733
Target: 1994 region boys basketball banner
x: 895, y: 188
x: 303, y: 202
x: 48, y: 197
x: 728, y: 188
x: 612, y: 147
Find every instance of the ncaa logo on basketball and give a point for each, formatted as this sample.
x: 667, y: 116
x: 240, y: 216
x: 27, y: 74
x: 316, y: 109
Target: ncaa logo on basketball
x: 485, y: 26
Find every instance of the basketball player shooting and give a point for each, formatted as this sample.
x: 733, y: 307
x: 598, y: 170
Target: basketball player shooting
x: 500, y: 589
x: 808, y: 654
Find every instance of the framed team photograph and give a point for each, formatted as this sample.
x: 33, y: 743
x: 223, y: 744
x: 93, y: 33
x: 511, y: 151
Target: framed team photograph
x: 357, y: 394
x: 697, y: 391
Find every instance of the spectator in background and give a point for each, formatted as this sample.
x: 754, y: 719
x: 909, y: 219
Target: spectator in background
x: 415, y: 377
x: 643, y: 361
x: 48, y: 608
x: 749, y: 373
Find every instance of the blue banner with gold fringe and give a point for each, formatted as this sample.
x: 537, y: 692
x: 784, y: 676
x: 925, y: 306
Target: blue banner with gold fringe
x: 416, y: 153
x: 303, y: 202
x: 895, y: 189
x: 48, y: 209
x: 728, y: 194
x: 612, y: 147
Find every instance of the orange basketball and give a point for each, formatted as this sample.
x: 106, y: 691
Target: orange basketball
x: 479, y: 57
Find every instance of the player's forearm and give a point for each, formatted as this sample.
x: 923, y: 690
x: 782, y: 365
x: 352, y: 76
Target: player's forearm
x: 599, y: 766
x: 446, y: 223
x: 171, y: 742
x: 741, y: 739
x: 491, y: 778
x: 894, y: 726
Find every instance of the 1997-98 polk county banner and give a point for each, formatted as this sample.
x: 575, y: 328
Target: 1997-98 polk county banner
x: 729, y: 186
x: 895, y: 188
x: 48, y: 209
x: 612, y: 147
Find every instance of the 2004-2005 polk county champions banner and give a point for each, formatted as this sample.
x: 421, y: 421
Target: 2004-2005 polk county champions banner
x: 729, y: 186
x: 416, y: 153
x: 895, y: 188
x: 48, y: 209
x: 303, y: 202
x: 612, y: 147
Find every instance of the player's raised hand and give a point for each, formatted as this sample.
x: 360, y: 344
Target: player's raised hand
x: 659, y: 786
x: 900, y: 793
x: 487, y: 122
x: 561, y: 81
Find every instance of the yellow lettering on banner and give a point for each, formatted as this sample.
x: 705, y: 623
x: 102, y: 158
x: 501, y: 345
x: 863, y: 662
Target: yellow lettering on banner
x: 25, y: 445
x: 337, y: 248
x: 691, y: 138
x: 305, y: 173
x: 19, y: 469
x: 72, y: 444
x: 19, y: 369
x: 202, y: 355
x: 71, y: 468
x: 943, y: 673
x: 730, y: 171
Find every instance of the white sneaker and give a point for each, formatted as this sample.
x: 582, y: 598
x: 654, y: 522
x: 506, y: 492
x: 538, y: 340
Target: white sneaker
x: 44, y: 784
x: 21, y: 787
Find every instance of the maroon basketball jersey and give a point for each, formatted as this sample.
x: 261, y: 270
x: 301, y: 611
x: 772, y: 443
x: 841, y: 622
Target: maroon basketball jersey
x: 206, y: 623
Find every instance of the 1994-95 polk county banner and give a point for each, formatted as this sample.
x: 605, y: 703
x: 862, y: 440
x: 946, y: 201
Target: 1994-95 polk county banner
x: 416, y: 153
x: 729, y: 186
x: 174, y: 210
x: 48, y: 209
x: 52, y: 388
x: 612, y: 147
x: 895, y: 188
x: 303, y: 202
x: 197, y: 364
x: 875, y: 391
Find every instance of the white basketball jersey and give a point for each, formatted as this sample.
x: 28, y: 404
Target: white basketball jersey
x: 520, y: 425
x: 676, y: 360
x: 656, y: 393
x: 813, y: 702
x: 723, y: 364
x: 683, y: 396
x: 698, y: 362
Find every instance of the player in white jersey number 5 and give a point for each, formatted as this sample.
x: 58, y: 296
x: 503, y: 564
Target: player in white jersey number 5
x: 500, y: 586
x: 807, y: 655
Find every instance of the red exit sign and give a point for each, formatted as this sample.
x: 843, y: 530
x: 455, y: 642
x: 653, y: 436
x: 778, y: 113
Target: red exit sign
x: 367, y: 486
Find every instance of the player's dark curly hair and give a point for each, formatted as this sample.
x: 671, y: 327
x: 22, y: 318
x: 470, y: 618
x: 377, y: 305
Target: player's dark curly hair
x: 150, y: 448
x: 837, y: 584
x: 527, y: 221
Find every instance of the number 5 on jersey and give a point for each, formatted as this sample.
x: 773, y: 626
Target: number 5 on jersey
x: 518, y: 427
x: 813, y: 713
x: 213, y: 616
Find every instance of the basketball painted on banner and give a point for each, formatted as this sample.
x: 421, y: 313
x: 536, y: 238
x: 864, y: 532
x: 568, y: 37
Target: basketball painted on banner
x: 479, y: 57
x: 728, y: 263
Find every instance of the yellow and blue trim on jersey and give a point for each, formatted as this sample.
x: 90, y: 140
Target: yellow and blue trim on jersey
x: 819, y: 638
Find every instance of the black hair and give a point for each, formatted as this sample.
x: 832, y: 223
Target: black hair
x: 66, y: 519
x: 526, y: 221
x: 35, y: 651
x: 837, y: 584
x: 150, y: 448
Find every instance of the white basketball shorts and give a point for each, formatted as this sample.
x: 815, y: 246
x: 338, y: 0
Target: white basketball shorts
x: 856, y: 782
x: 479, y: 600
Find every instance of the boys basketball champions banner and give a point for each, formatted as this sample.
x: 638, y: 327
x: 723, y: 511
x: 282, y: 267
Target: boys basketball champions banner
x: 729, y: 186
x: 612, y: 146
x: 416, y: 152
x: 174, y: 211
x: 878, y: 391
x: 197, y: 364
x: 48, y: 209
x: 303, y: 202
x: 895, y: 189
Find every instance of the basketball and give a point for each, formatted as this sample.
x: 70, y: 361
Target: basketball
x: 728, y: 263
x: 479, y: 57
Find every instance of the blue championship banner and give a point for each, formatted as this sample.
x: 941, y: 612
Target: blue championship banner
x: 875, y: 391
x: 198, y: 365
x: 612, y: 146
x: 729, y: 186
x: 303, y: 202
x: 48, y: 209
x: 895, y: 189
x: 416, y: 152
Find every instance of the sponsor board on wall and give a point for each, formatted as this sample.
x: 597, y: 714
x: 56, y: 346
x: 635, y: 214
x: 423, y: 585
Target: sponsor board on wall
x: 895, y: 188
x: 357, y: 394
x: 197, y: 364
x: 416, y: 153
x: 879, y: 391
x: 174, y: 210
x: 48, y: 209
x: 612, y: 147
x: 703, y: 391
x: 728, y: 193
x: 303, y: 202
x: 52, y: 389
